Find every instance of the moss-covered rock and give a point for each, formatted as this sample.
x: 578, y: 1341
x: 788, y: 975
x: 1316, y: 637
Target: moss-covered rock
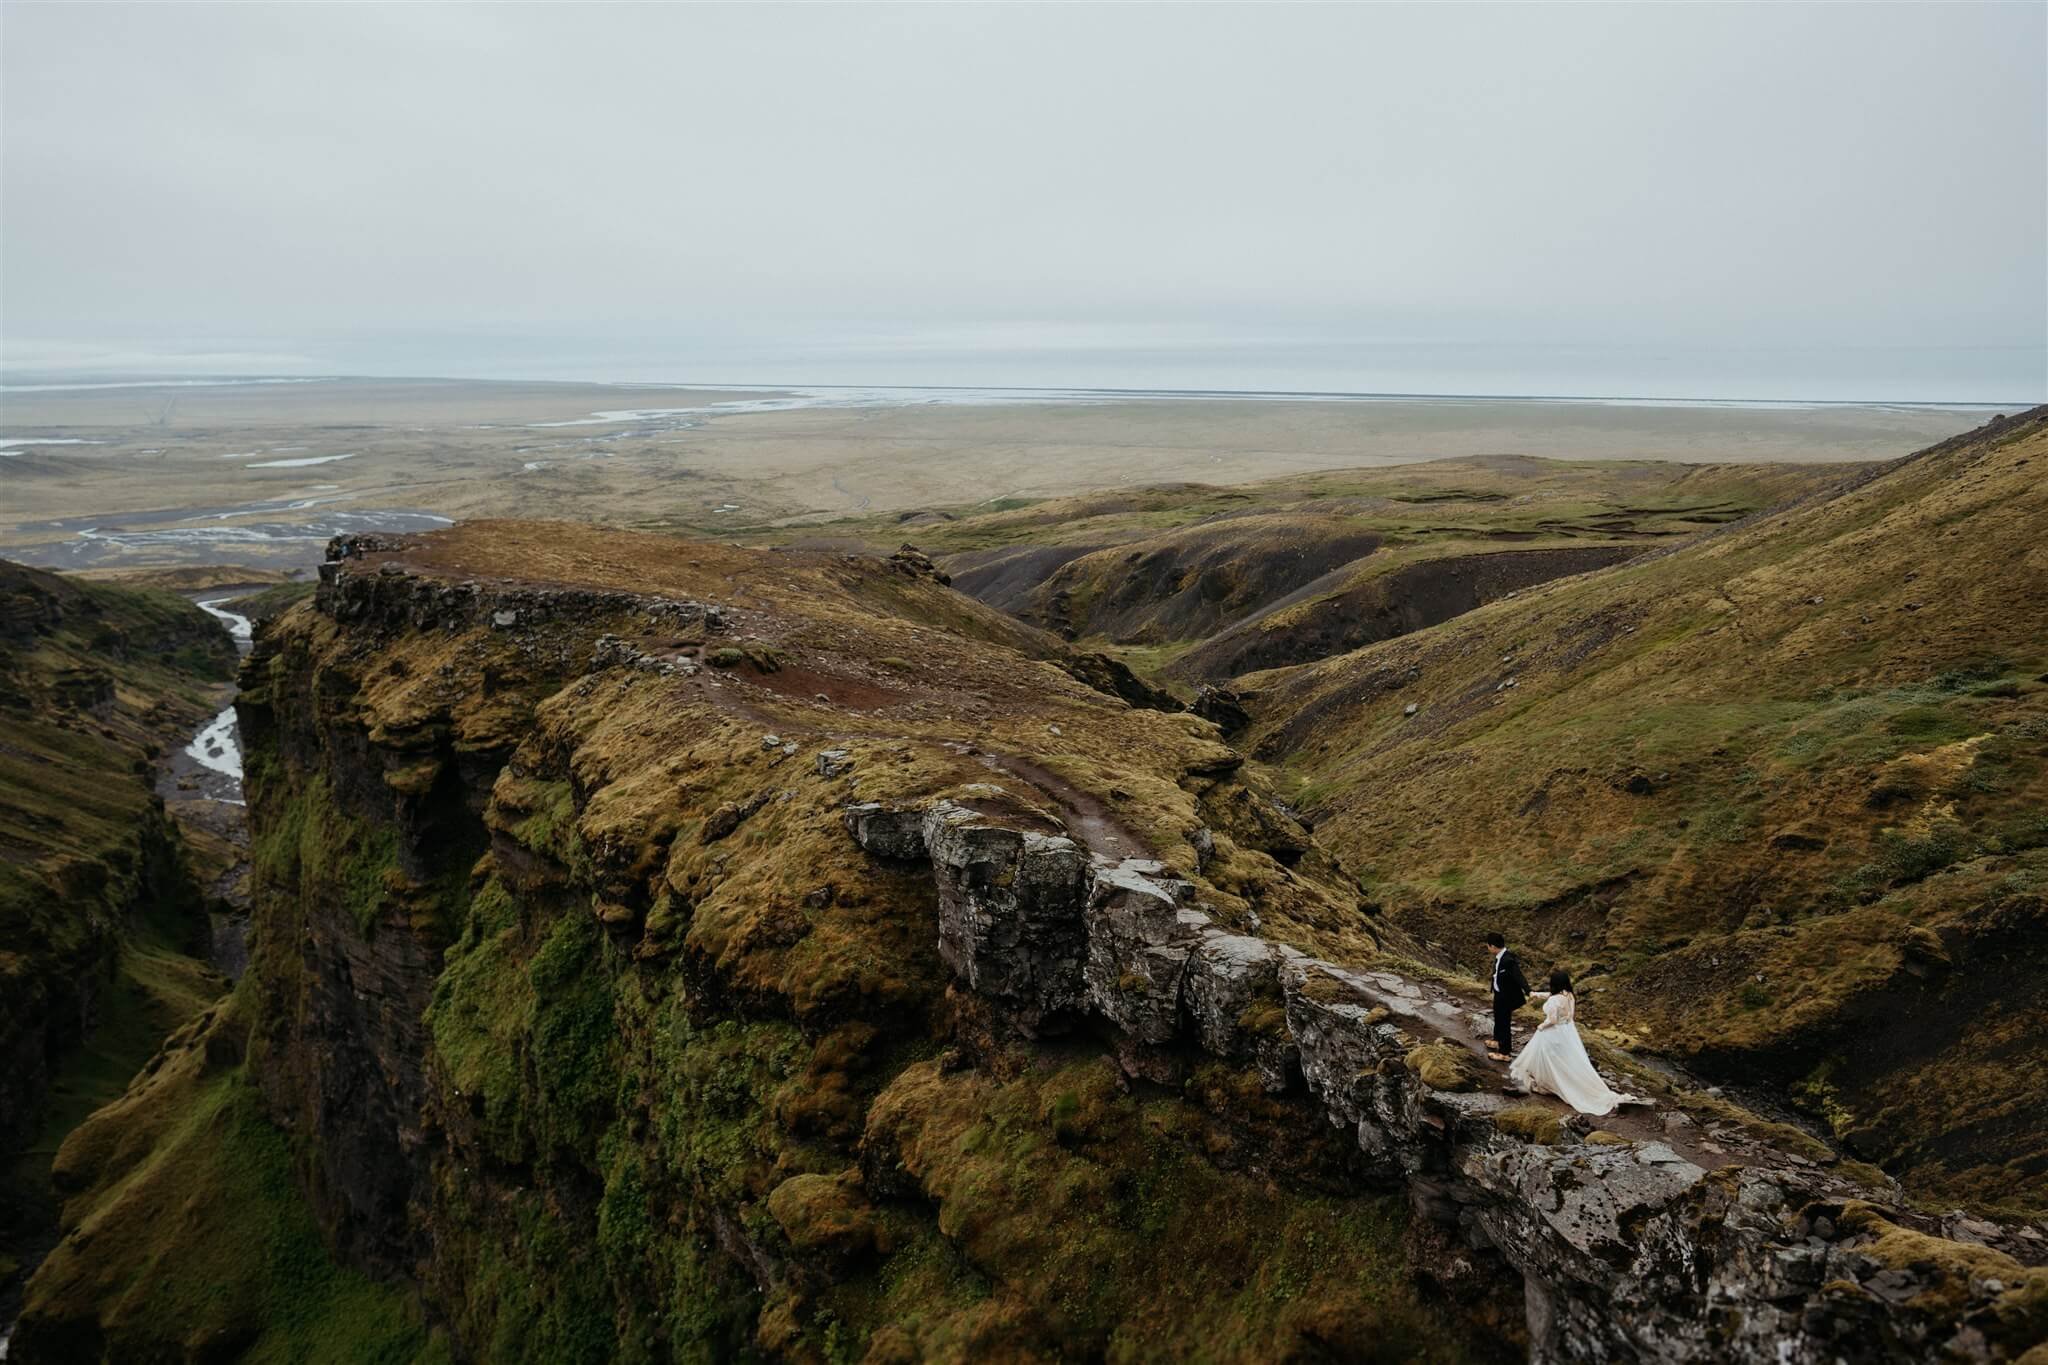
x: 827, y: 1213
x: 185, y: 1175
x: 1532, y: 1123
x: 1444, y: 1066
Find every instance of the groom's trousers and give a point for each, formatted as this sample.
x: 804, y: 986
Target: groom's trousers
x: 1504, y: 1025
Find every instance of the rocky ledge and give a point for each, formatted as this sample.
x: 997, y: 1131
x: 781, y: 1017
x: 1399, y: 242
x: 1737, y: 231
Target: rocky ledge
x: 1629, y: 1248
x: 359, y: 586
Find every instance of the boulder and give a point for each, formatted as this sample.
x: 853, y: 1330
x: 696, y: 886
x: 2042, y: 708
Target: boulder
x: 1222, y: 706
x: 1114, y: 677
x: 1443, y: 1066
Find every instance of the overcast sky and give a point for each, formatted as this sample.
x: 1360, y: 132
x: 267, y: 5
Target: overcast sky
x: 1825, y: 197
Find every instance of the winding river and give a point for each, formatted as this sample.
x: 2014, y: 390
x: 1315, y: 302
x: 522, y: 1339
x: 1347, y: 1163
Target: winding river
x: 217, y: 747
x: 207, y: 773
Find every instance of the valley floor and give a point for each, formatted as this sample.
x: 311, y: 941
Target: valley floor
x: 264, y: 474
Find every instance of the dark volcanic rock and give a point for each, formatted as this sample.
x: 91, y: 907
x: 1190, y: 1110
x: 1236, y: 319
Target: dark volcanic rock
x: 1113, y: 677
x: 1222, y: 706
x: 1333, y: 616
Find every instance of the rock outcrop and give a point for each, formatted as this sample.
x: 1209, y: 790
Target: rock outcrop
x: 1110, y: 675
x: 1628, y: 1249
x: 1006, y: 921
x: 909, y: 1000
x: 391, y: 597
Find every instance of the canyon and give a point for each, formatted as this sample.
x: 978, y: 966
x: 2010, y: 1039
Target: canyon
x: 676, y: 950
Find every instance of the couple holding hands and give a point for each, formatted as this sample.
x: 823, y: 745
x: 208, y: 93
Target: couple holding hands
x: 1555, y: 1061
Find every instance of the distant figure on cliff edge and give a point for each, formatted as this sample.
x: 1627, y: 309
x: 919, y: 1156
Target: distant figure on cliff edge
x: 1555, y: 1061
x: 1510, y: 989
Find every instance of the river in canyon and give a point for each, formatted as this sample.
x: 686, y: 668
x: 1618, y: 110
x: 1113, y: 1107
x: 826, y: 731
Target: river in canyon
x: 201, y: 785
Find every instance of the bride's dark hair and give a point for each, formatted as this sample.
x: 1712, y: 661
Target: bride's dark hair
x: 1560, y: 982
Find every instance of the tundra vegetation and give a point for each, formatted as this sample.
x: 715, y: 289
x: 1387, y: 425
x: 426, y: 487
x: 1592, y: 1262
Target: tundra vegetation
x: 102, y: 928
x: 580, y: 1027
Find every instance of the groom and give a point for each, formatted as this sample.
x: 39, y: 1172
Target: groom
x: 1510, y: 989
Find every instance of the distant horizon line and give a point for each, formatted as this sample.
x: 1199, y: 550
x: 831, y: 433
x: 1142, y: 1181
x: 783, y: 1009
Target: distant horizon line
x: 142, y: 380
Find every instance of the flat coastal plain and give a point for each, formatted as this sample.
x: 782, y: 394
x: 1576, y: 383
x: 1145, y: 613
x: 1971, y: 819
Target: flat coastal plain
x: 261, y: 473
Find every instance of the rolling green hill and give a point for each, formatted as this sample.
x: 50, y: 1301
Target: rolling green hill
x: 1779, y: 796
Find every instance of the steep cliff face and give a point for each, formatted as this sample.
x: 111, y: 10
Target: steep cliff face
x: 580, y: 1002
x: 97, y: 907
x: 93, y: 679
x: 673, y: 952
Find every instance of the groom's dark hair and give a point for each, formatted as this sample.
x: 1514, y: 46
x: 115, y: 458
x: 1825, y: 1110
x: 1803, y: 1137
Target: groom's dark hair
x: 1495, y: 940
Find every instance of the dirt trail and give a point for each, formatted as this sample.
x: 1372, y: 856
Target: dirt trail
x: 1088, y: 821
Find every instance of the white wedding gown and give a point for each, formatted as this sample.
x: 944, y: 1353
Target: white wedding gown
x: 1555, y: 1062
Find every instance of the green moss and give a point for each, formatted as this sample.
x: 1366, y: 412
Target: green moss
x: 538, y: 1293
x: 2020, y: 1316
x: 825, y: 1213
x: 1818, y: 1094
x: 1131, y: 1246
x: 714, y: 1116
x: 305, y: 845
x: 1444, y: 1066
x: 1264, y: 1019
x: 544, y: 819
x: 1532, y: 1123
x: 1904, y: 858
x: 571, y: 1032
x: 203, y: 1237
x: 480, y: 1019
x: 625, y: 1223
x: 1328, y: 990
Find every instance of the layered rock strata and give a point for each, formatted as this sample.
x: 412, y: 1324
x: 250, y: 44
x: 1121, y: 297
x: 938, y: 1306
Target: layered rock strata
x: 1628, y: 1250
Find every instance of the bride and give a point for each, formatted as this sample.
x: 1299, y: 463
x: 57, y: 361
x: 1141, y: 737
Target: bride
x: 1555, y: 1061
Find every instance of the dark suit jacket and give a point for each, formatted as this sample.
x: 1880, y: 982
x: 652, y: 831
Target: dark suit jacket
x: 1514, y: 987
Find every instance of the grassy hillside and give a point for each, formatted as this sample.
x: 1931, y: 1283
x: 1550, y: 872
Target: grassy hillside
x: 587, y: 1015
x: 98, y: 915
x: 1779, y: 796
x: 189, y: 1237
x: 94, y: 680
x: 577, y: 1009
x: 1302, y: 567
